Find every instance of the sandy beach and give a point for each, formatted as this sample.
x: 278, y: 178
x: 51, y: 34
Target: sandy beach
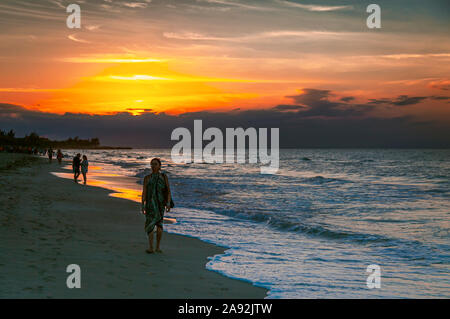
x: 48, y: 223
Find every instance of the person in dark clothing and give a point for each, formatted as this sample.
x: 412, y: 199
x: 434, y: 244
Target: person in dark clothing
x: 76, y: 167
x: 59, y: 156
x: 50, y: 154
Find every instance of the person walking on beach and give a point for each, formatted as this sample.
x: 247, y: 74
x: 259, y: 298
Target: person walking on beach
x: 59, y: 156
x: 84, y: 168
x: 155, y: 199
x: 76, y: 167
x: 50, y: 154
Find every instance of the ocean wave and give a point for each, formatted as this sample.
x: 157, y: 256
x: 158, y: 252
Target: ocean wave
x: 436, y: 190
x: 143, y: 172
x: 127, y: 164
x: 324, y: 232
x: 320, y: 180
x: 315, y: 230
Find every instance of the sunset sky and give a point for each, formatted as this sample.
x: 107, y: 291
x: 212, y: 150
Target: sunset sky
x: 314, y: 58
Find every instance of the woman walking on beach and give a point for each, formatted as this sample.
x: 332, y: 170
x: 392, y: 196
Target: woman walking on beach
x: 59, y: 156
x: 155, y: 199
x: 84, y: 168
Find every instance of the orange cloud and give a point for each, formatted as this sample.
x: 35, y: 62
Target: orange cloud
x: 440, y: 84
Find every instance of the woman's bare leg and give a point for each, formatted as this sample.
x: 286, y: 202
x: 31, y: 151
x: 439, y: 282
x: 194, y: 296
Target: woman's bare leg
x: 84, y: 177
x: 159, y: 232
x: 150, y: 242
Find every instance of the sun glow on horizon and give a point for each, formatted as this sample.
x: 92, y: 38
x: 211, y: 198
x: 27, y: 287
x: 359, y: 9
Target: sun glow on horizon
x: 137, y: 77
x: 123, y: 86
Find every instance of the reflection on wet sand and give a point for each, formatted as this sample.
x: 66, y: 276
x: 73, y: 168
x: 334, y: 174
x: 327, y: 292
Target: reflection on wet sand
x: 123, y: 186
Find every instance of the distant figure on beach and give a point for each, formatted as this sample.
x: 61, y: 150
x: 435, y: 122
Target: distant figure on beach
x: 84, y: 168
x: 50, y: 154
x: 155, y: 199
x: 59, y: 156
x: 76, y: 167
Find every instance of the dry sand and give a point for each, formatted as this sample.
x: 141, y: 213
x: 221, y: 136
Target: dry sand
x: 48, y: 223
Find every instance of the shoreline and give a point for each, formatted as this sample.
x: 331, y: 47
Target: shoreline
x: 50, y: 222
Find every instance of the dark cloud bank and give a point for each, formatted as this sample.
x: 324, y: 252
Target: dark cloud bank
x: 313, y: 120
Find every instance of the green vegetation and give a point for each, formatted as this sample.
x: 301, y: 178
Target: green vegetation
x: 8, y: 139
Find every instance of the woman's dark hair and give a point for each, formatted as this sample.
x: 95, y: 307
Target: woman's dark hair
x: 156, y: 159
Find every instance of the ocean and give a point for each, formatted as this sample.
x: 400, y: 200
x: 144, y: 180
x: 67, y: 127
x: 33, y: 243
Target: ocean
x: 312, y: 229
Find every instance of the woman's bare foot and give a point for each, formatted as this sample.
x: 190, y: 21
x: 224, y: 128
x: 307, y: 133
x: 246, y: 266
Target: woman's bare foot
x: 158, y: 250
x: 149, y: 251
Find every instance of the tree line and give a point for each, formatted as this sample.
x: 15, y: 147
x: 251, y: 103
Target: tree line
x: 34, y: 140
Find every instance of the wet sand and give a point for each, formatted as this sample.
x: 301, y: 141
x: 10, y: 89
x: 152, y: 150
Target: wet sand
x: 48, y: 223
